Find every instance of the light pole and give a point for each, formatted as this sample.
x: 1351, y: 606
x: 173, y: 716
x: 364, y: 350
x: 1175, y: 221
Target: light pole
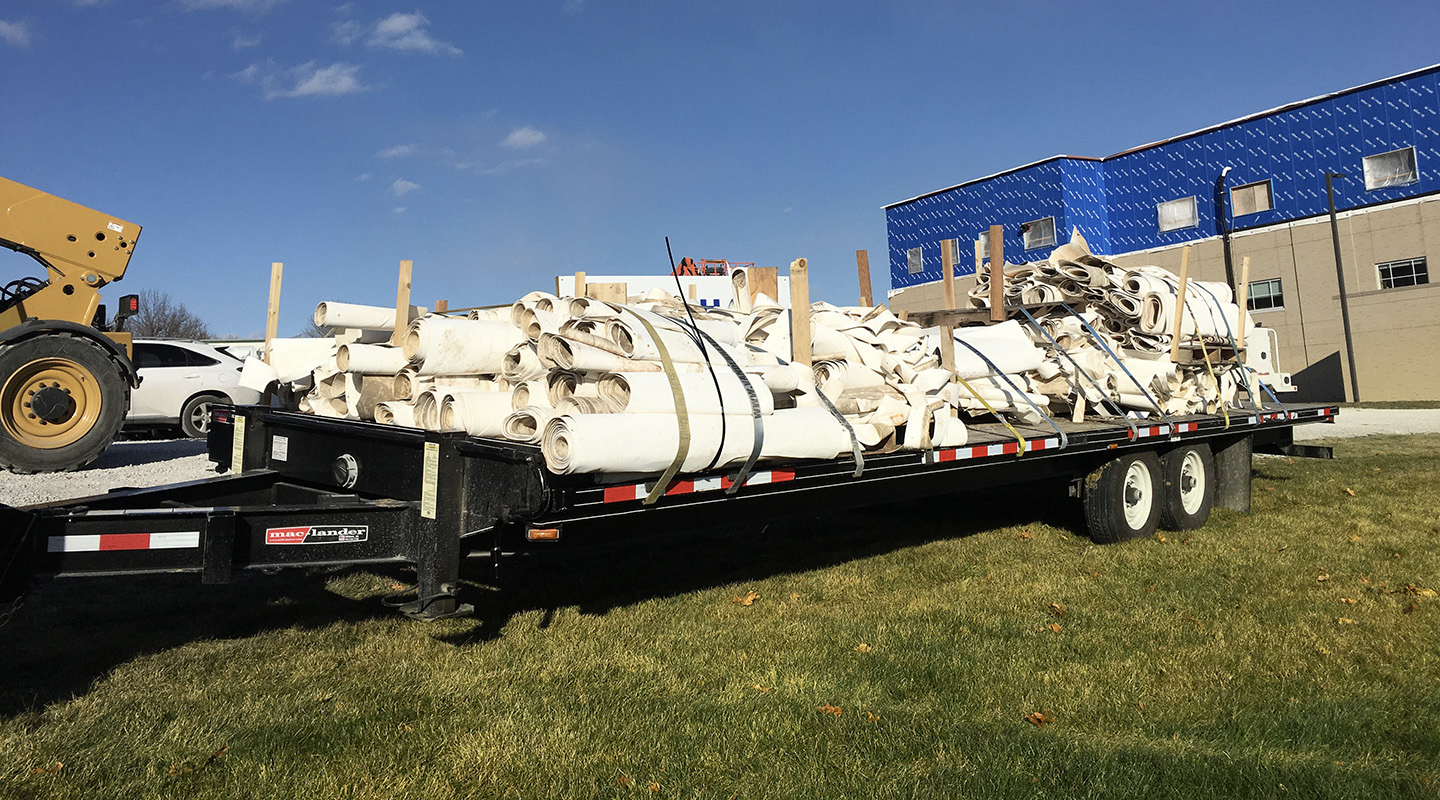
x: 1340, y: 277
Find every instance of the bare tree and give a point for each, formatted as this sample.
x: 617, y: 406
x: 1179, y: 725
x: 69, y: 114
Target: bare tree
x: 161, y: 317
x: 313, y: 331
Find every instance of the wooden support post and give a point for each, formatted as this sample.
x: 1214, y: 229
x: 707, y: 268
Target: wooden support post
x: 402, y: 304
x: 766, y: 280
x: 579, y: 290
x: 691, y: 292
x: 441, y: 306
x: 947, y: 332
x: 997, y: 274
x: 862, y: 264
x: 1242, y: 295
x: 272, y: 311
x: 800, y: 312
x: 1176, y: 332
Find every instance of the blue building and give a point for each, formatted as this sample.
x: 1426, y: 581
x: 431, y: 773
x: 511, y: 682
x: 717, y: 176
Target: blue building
x: 1385, y: 135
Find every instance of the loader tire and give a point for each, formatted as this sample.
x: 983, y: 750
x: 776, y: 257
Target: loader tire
x: 62, y: 400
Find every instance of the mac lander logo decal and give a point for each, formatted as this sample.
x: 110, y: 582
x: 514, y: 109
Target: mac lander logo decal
x: 318, y: 534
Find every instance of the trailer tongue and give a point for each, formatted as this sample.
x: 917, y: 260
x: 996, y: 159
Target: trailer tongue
x: 304, y: 491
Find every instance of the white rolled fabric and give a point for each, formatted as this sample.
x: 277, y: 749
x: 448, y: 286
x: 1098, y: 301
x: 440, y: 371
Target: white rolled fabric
x: 932, y: 380
x: 408, y: 385
x: 1202, y: 316
x: 527, y: 424
x: 431, y: 401
x: 650, y: 393
x: 580, y: 404
x: 395, y: 412
x: 560, y: 384
x: 827, y: 344
x: 588, y: 308
x: 933, y: 424
x: 370, y: 358
x: 534, y: 322
x: 541, y: 300
x: 635, y: 341
x: 529, y: 393
x: 330, y: 314
x: 257, y: 375
x: 489, y: 314
x: 521, y: 363
x: 1128, y: 304
x: 836, y: 377
x: 647, y: 443
x: 478, y: 413
x: 1006, y: 344
x: 293, y: 359
x: 740, y: 281
x: 563, y: 353
x: 445, y: 346
x: 783, y: 378
x: 374, y: 390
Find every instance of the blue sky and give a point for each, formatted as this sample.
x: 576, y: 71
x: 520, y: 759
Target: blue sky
x: 500, y: 144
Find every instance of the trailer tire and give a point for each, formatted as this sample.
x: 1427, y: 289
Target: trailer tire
x: 1122, y: 498
x: 1189, y: 487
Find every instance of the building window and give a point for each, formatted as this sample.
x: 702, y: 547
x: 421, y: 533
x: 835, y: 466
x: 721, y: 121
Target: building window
x: 916, y: 263
x: 1395, y: 168
x: 1177, y: 215
x: 1406, y: 272
x: 1252, y: 198
x: 984, y: 240
x: 1264, y: 295
x: 956, y: 251
x: 1040, y: 233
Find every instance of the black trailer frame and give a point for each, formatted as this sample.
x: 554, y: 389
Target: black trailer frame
x: 309, y: 491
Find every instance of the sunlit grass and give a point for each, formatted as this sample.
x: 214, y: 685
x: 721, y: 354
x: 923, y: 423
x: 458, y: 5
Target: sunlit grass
x: 1292, y: 651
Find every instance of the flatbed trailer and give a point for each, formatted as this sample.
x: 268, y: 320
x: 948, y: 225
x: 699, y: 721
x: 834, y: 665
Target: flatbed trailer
x: 307, y: 491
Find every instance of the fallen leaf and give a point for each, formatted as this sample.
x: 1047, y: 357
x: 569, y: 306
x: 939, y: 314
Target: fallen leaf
x: 863, y: 648
x: 1350, y: 491
x: 1269, y: 488
x: 1094, y: 574
x: 654, y: 787
x: 222, y: 751
x: 1057, y: 609
x: 748, y: 599
x: 1054, y: 627
x: 1344, y: 621
x: 1142, y: 706
x: 178, y: 769
x: 1037, y: 718
x: 762, y: 689
x: 623, y: 780
x: 53, y: 769
x: 1354, y: 537
x: 1026, y: 534
x: 398, y: 586
x: 794, y: 597
x: 1152, y: 588
x: 869, y: 717
x: 406, y: 728
x: 1322, y: 577
x: 1419, y: 591
x: 1350, y: 601
x: 829, y: 709
x: 1160, y: 537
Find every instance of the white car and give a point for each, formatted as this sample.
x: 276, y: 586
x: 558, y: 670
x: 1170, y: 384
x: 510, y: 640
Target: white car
x: 179, y: 382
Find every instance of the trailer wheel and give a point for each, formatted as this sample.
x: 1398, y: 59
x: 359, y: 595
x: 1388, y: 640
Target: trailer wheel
x: 1122, y: 498
x: 1189, y: 487
x: 62, y: 399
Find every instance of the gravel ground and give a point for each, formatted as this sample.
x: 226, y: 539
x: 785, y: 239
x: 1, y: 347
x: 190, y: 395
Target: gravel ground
x: 155, y: 463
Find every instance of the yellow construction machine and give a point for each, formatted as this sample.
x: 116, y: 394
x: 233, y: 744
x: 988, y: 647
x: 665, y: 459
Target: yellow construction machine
x: 64, y: 381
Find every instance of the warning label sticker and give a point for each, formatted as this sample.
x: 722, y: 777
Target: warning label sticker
x: 318, y: 534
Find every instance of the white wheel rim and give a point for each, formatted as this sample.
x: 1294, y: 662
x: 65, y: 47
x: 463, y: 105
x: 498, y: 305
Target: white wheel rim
x: 1138, y: 495
x: 1192, y: 482
x: 200, y: 418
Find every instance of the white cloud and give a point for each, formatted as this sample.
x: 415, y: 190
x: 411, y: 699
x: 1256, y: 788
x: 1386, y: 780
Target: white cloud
x: 364, y: 176
x: 16, y: 33
x: 402, y: 187
x: 398, y: 151
x: 305, y: 80
x: 574, y: 6
x: 85, y: 3
x: 521, y: 138
x: 243, y: 42
x: 504, y: 166
x: 399, y: 209
x: 255, y: 6
x: 396, y: 32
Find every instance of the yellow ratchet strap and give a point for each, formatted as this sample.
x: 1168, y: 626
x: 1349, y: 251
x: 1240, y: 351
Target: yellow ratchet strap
x: 998, y: 415
x: 682, y: 415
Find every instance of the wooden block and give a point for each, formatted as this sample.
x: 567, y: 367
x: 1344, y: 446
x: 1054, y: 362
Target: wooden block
x: 441, y: 306
x: 947, y: 347
x: 691, y: 292
x: 1175, y: 332
x: 607, y: 292
x: 1242, y: 292
x: 764, y: 279
x: 272, y: 311
x: 402, y: 303
x: 947, y: 271
x: 800, y: 312
x: 904, y: 315
x: 997, y: 273
x: 1077, y: 414
x: 579, y: 285
x: 862, y: 264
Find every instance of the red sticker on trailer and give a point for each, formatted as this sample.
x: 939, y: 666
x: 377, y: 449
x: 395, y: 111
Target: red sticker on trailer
x: 318, y: 534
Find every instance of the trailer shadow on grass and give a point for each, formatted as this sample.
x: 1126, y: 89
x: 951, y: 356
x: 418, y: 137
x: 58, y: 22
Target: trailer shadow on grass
x: 71, y: 632
x: 663, y: 564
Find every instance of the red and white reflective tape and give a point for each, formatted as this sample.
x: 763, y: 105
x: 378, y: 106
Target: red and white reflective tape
x: 1004, y: 449
x: 638, y: 491
x: 97, y: 542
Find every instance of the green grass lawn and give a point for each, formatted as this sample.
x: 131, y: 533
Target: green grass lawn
x: 1294, y: 651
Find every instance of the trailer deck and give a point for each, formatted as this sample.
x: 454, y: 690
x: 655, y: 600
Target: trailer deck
x: 310, y: 491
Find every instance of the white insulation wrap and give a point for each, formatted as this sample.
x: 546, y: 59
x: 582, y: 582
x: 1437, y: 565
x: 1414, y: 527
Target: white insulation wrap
x: 649, y: 442
x: 477, y: 412
x: 650, y: 393
x: 330, y: 314
x: 370, y: 358
x: 447, y: 346
x: 395, y: 412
